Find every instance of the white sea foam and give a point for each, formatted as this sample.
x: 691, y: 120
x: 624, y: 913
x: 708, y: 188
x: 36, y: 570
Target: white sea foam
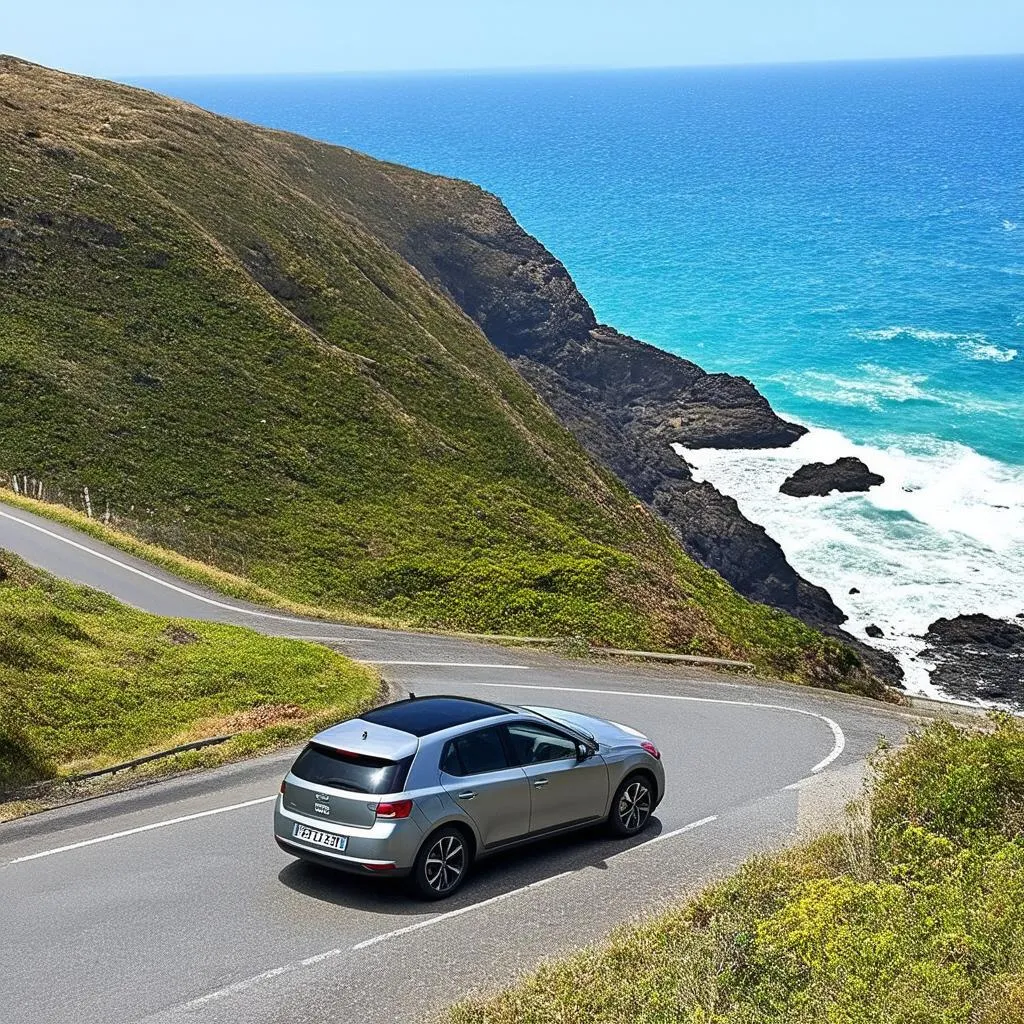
x: 1010, y: 225
x: 944, y: 534
x: 987, y: 351
x: 918, y: 333
x: 874, y: 385
x: 971, y: 344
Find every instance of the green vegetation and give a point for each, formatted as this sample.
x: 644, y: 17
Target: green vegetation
x: 913, y: 915
x: 200, y: 324
x: 86, y: 682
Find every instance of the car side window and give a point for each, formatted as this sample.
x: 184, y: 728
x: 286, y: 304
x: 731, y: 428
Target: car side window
x: 475, y: 753
x: 535, y: 744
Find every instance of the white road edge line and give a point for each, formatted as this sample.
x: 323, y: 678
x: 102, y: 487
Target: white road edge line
x: 444, y: 664
x: 309, y: 961
x: 438, y: 918
x: 667, y: 835
x: 241, y: 986
x: 328, y: 639
x: 839, y: 740
x: 143, y: 828
x: 149, y: 576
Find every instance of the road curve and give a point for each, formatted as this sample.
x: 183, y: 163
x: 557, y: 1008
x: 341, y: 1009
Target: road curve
x: 173, y: 904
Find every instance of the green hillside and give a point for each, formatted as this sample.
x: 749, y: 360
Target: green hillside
x: 86, y: 682
x: 197, y: 325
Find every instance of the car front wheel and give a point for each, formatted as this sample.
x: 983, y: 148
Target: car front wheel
x: 441, y: 865
x: 632, y: 806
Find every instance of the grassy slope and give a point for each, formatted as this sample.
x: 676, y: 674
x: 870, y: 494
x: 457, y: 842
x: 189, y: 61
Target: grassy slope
x: 194, y: 325
x: 917, y: 918
x: 86, y: 682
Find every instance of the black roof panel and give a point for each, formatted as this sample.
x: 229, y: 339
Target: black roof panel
x: 422, y: 716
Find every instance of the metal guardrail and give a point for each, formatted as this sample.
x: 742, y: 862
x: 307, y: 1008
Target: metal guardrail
x: 37, y: 787
x: 689, y: 659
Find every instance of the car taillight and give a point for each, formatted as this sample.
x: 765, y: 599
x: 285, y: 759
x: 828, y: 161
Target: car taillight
x: 283, y: 784
x: 651, y: 749
x: 394, y: 809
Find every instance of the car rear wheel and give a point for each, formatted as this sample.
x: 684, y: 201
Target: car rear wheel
x: 632, y: 806
x: 442, y: 864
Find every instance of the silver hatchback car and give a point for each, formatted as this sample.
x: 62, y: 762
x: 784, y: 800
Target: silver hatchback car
x: 424, y: 787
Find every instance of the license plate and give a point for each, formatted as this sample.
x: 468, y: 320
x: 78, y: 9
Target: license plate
x: 318, y: 838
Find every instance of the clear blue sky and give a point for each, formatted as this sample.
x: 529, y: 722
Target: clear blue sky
x: 152, y: 37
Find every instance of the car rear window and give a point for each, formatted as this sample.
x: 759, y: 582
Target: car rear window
x: 474, y: 753
x: 358, y: 772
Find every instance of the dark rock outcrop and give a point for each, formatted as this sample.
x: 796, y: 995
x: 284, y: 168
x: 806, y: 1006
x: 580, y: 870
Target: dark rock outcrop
x: 820, y: 478
x: 874, y: 631
x: 626, y: 401
x: 978, y: 657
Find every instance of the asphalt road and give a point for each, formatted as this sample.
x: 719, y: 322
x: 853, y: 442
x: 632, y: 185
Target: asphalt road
x: 172, y: 903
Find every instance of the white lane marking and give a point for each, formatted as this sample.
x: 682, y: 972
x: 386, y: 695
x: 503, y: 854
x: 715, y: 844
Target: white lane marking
x: 438, y: 918
x: 839, y: 740
x: 668, y: 835
x: 837, y: 749
x: 149, y: 576
x: 445, y: 664
x: 246, y: 983
x: 241, y: 986
x: 331, y: 639
x: 143, y: 828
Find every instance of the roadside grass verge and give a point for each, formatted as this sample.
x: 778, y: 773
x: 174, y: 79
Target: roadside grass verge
x: 913, y: 913
x: 86, y: 682
x: 780, y: 646
x: 191, y: 569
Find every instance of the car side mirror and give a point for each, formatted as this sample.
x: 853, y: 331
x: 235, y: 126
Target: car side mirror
x: 583, y: 752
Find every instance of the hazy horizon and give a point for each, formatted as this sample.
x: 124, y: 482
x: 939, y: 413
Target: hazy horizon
x: 116, y: 39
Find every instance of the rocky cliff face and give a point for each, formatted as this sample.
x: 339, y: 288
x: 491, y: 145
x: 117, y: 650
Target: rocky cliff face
x: 626, y: 401
x: 978, y: 658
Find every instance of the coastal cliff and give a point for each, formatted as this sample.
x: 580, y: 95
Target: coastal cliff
x: 314, y: 369
x: 626, y: 401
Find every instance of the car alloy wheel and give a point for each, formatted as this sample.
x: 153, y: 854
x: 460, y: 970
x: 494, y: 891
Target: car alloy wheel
x: 442, y: 864
x: 634, y: 805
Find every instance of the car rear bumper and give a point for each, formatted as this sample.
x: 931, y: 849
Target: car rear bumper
x: 389, y: 848
x: 339, y: 863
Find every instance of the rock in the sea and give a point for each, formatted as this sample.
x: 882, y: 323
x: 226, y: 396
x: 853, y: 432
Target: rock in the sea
x: 873, y: 630
x: 978, y: 657
x: 819, y: 478
x: 854, y: 590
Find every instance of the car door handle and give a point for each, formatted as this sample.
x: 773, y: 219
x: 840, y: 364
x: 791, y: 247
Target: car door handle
x: 540, y: 782
x: 467, y: 794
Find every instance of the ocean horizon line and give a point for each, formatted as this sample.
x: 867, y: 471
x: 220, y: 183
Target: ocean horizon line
x: 553, y: 70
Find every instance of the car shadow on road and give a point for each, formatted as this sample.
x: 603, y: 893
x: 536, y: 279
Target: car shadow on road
x: 497, y: 875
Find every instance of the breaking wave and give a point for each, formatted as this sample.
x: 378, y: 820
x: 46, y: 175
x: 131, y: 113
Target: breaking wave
x: 875, y: 385
x: 944, y: 534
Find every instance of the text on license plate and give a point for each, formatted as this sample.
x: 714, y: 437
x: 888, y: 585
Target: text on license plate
x: 318, y: 838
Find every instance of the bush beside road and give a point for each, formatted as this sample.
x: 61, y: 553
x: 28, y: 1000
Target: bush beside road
x: 913, y: 912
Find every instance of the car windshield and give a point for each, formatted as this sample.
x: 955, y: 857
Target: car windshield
x: 563, y: 725
x: 324, y: 766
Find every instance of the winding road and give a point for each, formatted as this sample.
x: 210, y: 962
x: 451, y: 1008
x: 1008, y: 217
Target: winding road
x: 172, y: 903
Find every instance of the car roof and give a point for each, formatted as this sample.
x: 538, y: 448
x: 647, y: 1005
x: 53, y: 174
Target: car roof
x: 359, y: 737
x: 422, y: 716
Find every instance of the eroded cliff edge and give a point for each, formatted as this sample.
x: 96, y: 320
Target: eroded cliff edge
x: 626, y: 401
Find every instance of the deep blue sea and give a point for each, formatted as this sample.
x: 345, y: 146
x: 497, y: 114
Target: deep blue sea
x: 848, y: 236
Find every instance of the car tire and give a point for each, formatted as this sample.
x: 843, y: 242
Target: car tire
x: 442, y: 864
x: 632, y: 805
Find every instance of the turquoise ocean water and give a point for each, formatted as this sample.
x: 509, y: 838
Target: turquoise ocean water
x: 849, y: 236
